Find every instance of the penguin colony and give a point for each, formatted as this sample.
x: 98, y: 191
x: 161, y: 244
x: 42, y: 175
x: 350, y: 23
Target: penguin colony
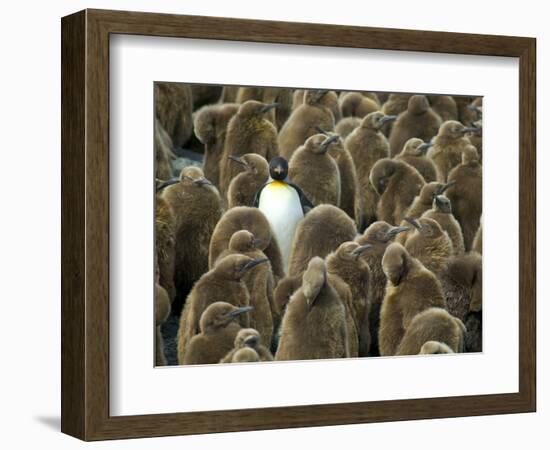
x: 296, y: 224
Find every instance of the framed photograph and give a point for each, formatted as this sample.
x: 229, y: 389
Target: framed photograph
x: 273, y: 225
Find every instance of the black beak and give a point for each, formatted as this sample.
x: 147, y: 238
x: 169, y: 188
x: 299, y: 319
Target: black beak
x: 445, y: 187
x: 167, y: 183
x: 322, y: 92
x: 471, y: 130
x: 395, y: 231
x: 252, y: 341
x: 256, y: 243
x: 413, y: 222
x: 326, y: 143
x: 268, y: 107
x: 386, y: 119
x: 423, y: 148
x: 320, y: 130
x: 239, y: 311
x: 237, y: 160
x: 251, y: 264
x: 203, y: 182
x: 360, y: 250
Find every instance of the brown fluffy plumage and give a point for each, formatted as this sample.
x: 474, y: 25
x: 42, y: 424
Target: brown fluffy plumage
x: 163, y: 153
x: 243, y: 188
x: 248, y: 131
x: 444, y: 106
x: 419, y: 120
x: 397, y: 184
x: 442, y: 213
x: 477, y: 245
x: 414, y: 154
x: 466, y: 194
x: 173, y: 109
x: 345, y: 127
x: 314, y: 324
x: 315, y: 171
x: 433, y: 324
x: 434, y: 348
x: 411, y: 289
x: 320, y: 232
x: 248, y: 338
x: 165, y: 244
x: 355, y: 104
x: 162, y: 311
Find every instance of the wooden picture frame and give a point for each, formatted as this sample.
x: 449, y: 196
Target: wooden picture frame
x: 85, y: 224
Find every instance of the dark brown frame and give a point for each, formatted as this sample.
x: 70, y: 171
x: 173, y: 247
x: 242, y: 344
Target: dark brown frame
x: 85, y: 224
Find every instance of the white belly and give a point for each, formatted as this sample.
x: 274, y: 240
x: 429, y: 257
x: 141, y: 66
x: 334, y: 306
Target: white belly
x: 281, y: 205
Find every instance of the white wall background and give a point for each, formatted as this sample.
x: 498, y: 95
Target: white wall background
x: 30, y: 227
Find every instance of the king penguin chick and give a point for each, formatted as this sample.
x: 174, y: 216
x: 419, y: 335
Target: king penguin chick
x: 397, y: 183
x: 223, y: 283
x: 211, y: 128
x: 462, y: 282
x: 173, y: 109
x: 444, y: 106
x: 394, y: 105
x: 330, y: 100
x: 443, y: 214
x: 466, y: 114
x: 315, y: 171
x: 414, y: 154
x: 259, y: 282
x: 411, y: 289
x: 321, y: 231
x: 345, y: 127
x: 248, y: 131
x: 248, y: 338
x: 350, y: 201
x: 219, y: 324
x: 419, y: 120
x: 429, y: 243
x: 253, y: 220
x: 242, y: 189
x: 303, y: 123
x: 245, y: 354
x: 163, y: 153
x: 433, y: 324
x: 448, y: 145
x: 466, y: 194
x: 348, y: 264
x: 366, y: 145
x: 424, y: 201
x: 378, y: 235
x: 197, y: 207
x: 434, y: 348
x: 355, y: 104
x: 314, y: 324
x: 165, y: 244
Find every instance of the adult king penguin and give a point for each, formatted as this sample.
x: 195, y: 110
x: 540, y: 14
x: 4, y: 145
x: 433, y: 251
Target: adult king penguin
x: 283, y: 204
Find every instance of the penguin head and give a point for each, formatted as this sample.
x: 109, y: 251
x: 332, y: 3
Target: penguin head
x: 247, y: 337
x: 235, y: 267
x: 253, y: 108
x: 314, y: 96
x: 396, y: 263
x: 243, y: 241
x: 442, y: 204
x: 192, y: 176
x: 278, y: 168
x: 314, y: 279
x: 416, y: 147
x: 418, y: 104
x: 314, y: 144
x: 467, y: 272
x: 470, y: 155
x: 220, y: 314
x: 375, y: 120
x: 426, y: 227
x: 351, y: 251
x: 245, y: 354
x: 382, y: 173
x: 382, y: 233
x: 452, y: 129
x: 430, y: 190
x: 434, y: 348
x: 253, y: 163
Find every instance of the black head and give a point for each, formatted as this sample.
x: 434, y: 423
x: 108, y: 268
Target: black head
x: 278, y: 168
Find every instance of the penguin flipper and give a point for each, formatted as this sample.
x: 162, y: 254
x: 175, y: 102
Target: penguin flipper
x: 306, y: 204
x: 256, y: 201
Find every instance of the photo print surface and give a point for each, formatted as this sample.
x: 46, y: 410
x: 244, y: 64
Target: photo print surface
x: 302, y: 224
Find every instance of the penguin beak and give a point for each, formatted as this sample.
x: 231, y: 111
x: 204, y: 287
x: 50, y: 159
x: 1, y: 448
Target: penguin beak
x: 470, y: 130
x: 256, y: 243
x: 395, y: 231
x: 203, y: 182
x: 251, y: 264
x: 167, y: 183
x: 386, y: 119
x: 475, y: 108
x: 239, y: 311
x: 322, y: 92
x: 252, y: 341
x: 360, y: 250
x: 326, y: 143
x: 320, y: 130
x: 423, y: 148
x: 237, y: 160
x: 268, y: 107
x: 445, y: 187
x: 413, y: 222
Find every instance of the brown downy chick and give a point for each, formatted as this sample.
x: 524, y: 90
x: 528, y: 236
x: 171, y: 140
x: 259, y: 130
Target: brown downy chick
x: 245, y: 354
x: 219, y: 325
x: 466, y: 114
x: 315, y: 171
x: 314, y: 324
x: 444, y: 106
x: 429, y: 243
x: 442, y: 213
x: 248, y: 338
x: 446, y: 153
x: 224, y: 283
x: 411, y: 289
x: 248, y: 131
x: 424, y: 201
x: 419, y: 121
x: 397, y: 184
x: 163, y: 153
x: 348, y: 264
x: 414, y: 154
x: 244, y: 186
x: 165, y: 244
x: 173, y: 109
x: 433, y: 324
x: 466, y: 194
x: 346, y: 126
x: 303, y: 123
x: 211, y: 128
x: 394, y: 105
x: 320, y: 232
x: 355, y: 104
